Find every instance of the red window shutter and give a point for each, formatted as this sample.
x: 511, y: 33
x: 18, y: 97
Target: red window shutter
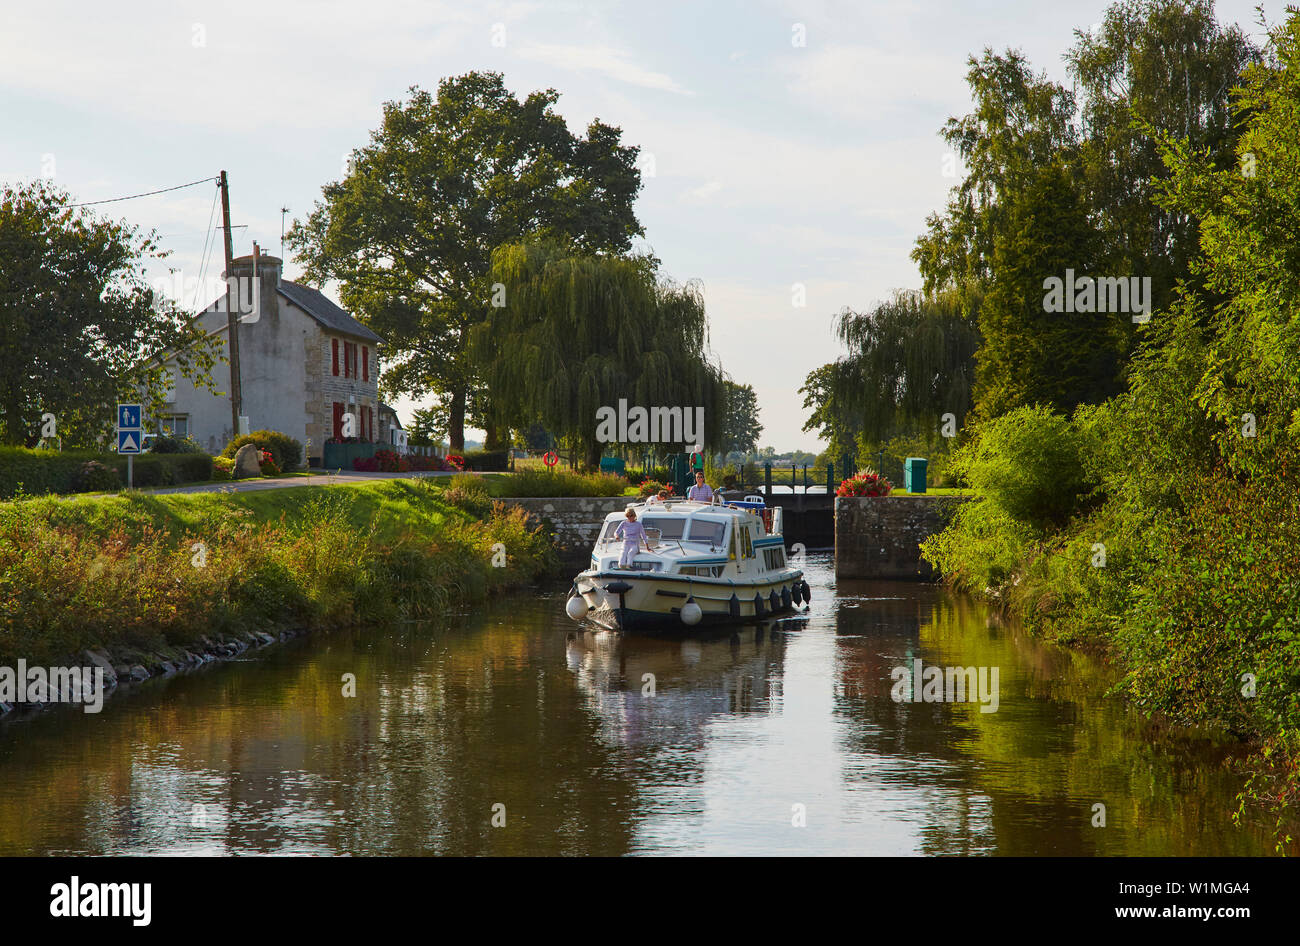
x: 365, y: 363
x: 334, y: 343
x: 338, y: 417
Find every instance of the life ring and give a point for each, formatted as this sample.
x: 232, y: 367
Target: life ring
x: 550, y: 459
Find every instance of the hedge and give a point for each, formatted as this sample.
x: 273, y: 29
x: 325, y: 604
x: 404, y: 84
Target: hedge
x: 487, y: 461
x: 37, y: 472
x: 41, y: 471
x: 164, y: 469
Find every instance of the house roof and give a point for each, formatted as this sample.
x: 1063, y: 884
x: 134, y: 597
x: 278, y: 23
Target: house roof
x: 324, y: 311
x: 396, y: 420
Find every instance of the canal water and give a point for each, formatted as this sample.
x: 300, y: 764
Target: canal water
x: 784, y: 740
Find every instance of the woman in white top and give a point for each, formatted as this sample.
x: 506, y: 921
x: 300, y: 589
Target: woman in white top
x: 633, y: 534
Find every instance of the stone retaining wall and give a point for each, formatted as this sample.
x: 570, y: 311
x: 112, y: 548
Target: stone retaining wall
x: 881, y: 537
x: 572, y: 522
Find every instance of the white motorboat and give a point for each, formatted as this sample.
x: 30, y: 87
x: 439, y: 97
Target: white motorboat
x: 710, y: 563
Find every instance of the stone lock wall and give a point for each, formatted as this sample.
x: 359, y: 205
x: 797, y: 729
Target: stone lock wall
x: 573, y: 522
x: 881, y: 537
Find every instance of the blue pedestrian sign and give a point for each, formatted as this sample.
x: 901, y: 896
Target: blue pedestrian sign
x: 129, y: 417
x: 128, y: 441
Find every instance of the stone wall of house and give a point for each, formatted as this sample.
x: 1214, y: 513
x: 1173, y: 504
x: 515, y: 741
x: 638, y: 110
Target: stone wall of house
x: 352, y: 393
x: 572, y: 522
x: 316, y: 407
x: 881, y: 537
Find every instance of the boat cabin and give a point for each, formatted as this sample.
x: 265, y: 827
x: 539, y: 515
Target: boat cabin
x: 704, y: 540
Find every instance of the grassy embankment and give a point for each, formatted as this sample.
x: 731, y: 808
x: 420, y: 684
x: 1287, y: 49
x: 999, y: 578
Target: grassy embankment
x: 140, y: 574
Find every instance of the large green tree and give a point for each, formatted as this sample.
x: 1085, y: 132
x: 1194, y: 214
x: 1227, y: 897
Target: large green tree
x: 80, y: 326
x: 580, y: 331
x: 1063, y: 179
x: 1153, y: 68
x: 410, y: 230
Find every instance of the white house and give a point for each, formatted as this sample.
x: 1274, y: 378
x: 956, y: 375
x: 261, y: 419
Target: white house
x: 304, y: 364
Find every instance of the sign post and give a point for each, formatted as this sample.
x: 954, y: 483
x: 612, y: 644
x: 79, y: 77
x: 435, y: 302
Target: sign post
x: 130, y: 432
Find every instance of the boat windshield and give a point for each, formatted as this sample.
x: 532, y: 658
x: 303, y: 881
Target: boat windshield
x: 707, y: 530
x: 670, y: 527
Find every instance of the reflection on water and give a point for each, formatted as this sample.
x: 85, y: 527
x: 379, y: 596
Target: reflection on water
x: 780, y: 739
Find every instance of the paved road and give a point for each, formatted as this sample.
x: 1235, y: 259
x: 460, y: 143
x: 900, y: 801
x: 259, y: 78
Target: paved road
x: 316, y: 479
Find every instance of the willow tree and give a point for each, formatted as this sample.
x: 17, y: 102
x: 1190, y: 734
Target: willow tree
x: 579, y: 332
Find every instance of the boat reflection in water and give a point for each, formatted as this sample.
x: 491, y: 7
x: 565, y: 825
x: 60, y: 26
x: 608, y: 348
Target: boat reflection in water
x: 646, y: 690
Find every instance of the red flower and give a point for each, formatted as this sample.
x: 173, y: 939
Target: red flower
x: 865, y: 484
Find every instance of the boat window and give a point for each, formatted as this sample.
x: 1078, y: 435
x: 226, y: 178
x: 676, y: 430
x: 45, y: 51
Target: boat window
x: 708, y: 530
x: 703, y: 571
x: 670, y: 527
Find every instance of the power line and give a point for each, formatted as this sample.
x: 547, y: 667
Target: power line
x: 165, y: 190
x: 207, y: 241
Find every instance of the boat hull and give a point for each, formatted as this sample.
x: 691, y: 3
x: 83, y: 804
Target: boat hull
x: 624, y: 600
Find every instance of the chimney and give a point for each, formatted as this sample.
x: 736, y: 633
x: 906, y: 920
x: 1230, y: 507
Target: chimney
x: 260, y: 264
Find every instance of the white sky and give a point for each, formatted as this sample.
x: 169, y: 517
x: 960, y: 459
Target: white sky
x: 774, y: 164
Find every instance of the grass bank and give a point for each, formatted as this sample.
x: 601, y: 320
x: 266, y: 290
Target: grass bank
x: 157, y: 574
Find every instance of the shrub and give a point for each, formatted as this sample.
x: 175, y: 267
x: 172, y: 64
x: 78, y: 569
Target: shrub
x: 387, y: 461
x: 487, y: 461
x: 267, y: 460
x: 455, y: 461
x: 1030, y: 464
x: 534, y: 482
x: 423, y: 464
x: 469, y: 483
x: 980, y: 550
x: 222, y: 467
x: 651, y: 487
x: 286, y: 451
x: 95, y: 477
x: 470, y: 493
x: 165, y: 444
x: 865, y: 483
x: 365, y: 464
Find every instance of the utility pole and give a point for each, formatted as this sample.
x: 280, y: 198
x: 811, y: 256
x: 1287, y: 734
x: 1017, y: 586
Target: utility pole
x: 232, y: 320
